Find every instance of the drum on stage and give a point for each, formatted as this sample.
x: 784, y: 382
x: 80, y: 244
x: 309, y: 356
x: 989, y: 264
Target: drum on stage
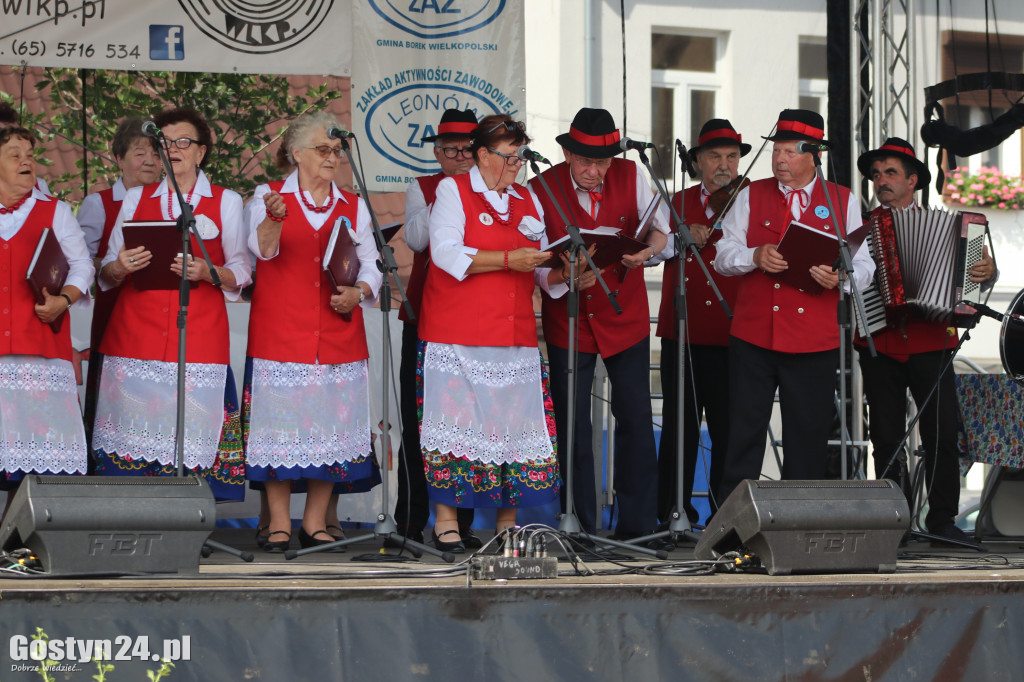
x: 1011, y: 339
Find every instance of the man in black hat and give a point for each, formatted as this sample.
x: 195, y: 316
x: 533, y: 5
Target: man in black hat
x: 783, y: 338
x: 910, y: 357
x: 706, y: 393
x: 452, y: 151
x: 604, y: 191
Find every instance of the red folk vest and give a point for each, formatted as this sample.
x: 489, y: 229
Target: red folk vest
x: 600, y: 329
x: 103, y: 304
x: 144, y: 323
x: 777, y: 316
x: 708, y: 325
x: 291, y: 319
x: 488, y: 308
x: 420, y: 261
x: 21, y: 332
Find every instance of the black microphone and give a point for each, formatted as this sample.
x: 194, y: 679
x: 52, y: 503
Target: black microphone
x: 625, y: 144
x: 527, y: 154
x: 149, y: 129
x: 684, y: 157
x: 336, y: 133
x: 982, y: 309
x: 804, y: 147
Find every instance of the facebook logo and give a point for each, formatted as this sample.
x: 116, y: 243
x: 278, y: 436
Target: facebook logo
x: 166, y: 42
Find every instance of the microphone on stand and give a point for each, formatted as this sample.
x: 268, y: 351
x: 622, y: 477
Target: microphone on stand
x: 149, y: 129
x: 625, y: 144
x: 804, y: 147
x: 526, y: 154
x: 684, y: 157
x: 336, y: 133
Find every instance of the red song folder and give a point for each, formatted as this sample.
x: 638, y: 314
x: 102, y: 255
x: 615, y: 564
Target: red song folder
x: 162, y: 239
x: 48, y: 270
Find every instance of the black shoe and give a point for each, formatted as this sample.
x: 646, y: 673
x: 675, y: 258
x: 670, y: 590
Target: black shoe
x: 307, y: 540
x: 469, y: 539
x: 277, y: 547
x: 453, y: 547
x: 261, y: 539
x: 951, y: 532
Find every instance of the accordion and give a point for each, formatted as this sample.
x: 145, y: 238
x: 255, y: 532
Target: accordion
x: 922, y: 256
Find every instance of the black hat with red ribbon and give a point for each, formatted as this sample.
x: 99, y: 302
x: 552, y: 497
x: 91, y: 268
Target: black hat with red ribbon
x: 800, y: 124
x: 898, y: 148
x: 718, y: 132
x: 454, y: 123
x: 592, y: 134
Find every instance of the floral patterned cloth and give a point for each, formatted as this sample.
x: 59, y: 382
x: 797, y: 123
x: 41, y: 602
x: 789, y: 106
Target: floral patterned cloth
x: 460, y: 480
x: 992, y: 407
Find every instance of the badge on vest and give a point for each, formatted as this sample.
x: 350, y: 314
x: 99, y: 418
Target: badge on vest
x: 821, y: 212
x: 485, y: 218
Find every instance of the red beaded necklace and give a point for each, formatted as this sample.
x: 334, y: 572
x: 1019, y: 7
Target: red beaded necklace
x: 497, y: 216
x: 170, y: 200
x: 18, y: 204
x: 313, y: 207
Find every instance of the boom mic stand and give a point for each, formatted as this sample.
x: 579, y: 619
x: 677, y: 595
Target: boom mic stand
x: 975, y: 317
x: 187, y: 227
x: 679, y: 525
x: 384, y: 528
x: 569, y: 524
x: 844, y: 264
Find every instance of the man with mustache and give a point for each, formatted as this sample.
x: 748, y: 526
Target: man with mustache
x: 911, y: 355
x: 783, y: 338
x: 706, y: 333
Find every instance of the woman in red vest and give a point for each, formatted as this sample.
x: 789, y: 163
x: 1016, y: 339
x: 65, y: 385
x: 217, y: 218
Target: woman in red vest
x: 488, y: 428
x: 139, y: 163
x: 136, y: 412
x: 307, y: 397
x: 40, y: 421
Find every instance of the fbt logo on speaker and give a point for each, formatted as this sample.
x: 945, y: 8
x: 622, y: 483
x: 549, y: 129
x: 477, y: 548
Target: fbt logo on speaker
x: 122, y: 648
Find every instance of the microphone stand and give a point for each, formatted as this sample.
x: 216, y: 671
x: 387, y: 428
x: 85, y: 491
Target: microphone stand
x: 384, y: 528
x: 971, y: 322
x: 844, y: 264
x: 569, y: 524
x: 679, y: 524
x: 187, y: 227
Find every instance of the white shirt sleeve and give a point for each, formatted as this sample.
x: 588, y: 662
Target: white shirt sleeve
x: 116, y: 241
x: 644, y: 197
x: 72, y: 242
x: 92, y: 217
x: 417, y: 218
x: 366, y: 250
x: 233, y: 241
x: 863, y: 264
x: 448, y: 250
x: 256, y: 213
x: 734, y: 257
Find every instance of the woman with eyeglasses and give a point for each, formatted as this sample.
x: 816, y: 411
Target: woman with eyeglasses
x: 306, y: 387
x: 488, y: 428
x: 136, y: 411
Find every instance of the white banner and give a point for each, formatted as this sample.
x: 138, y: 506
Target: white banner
x: 420, y: 57
x: 244, y: 36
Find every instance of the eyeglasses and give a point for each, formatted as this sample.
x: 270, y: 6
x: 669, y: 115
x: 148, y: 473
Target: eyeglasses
x: 511, y: 126
x: 183, y: 142
x: 510, y: 160
x: 325, y: 150
x: 456, y: 152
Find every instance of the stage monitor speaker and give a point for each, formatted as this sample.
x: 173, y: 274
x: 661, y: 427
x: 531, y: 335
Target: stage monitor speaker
x: 811, y: 526
x: 101, y: 524
x: 1002, y: 508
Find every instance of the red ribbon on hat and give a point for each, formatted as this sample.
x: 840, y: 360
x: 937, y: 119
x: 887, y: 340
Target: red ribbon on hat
x: 802, y: 128
x: 594, y: 140
x: 902, y: 150
x: 456, y: 128
x: 721, y: 132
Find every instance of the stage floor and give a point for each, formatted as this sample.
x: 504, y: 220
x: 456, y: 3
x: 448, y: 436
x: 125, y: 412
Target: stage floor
x: 945, y: 614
